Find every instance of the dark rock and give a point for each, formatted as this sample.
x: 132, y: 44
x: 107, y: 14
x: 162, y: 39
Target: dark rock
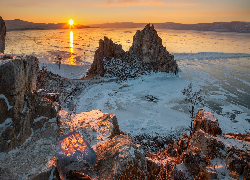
x: 147, y: 47
x: 21, y: 107
x: 206, y: 143
x: 177, y: 174
x: 74, y: 153
x: 74, y: 175
x: 2, y: 35
x: 246, y: 172
x: 206, y: 121
x: 147, y: 54
x: 107, y: 49
x: 183, y: 144
x: 192, y: 161
x: 170, y: 151
x: 50, y: 174
x: 120, y: 158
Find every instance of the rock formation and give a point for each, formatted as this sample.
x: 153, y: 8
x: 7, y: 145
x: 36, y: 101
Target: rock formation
x: 147, y: 47
x: 146, y: 54
x: 2, y: 35
x: 21, y: 108
x: 206, y: 121
x: 107, y: 49
x: 206, y: 154
x: 117, y: 155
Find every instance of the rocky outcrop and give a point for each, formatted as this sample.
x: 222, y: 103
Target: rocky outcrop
x: 2, y: 35
x: 107, y: 49
x: 21, y: 108
x: 146, y: 54
x: 206, y: 121
x: 206, y: 154
x: 117, y: 156
x: 147, y: 47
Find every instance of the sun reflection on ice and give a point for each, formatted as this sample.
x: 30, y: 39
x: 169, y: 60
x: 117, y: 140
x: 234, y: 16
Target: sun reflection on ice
x: 72, y: 58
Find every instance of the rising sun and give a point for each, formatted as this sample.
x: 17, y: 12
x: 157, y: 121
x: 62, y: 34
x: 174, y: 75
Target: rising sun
x: 71, y: 22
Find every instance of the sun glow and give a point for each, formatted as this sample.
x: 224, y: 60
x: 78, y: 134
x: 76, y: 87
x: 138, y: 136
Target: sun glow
x: 71, y: 22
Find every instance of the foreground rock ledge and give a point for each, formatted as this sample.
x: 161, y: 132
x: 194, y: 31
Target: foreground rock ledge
x: 22, y: 109
x: 146, y: 54
x: 116, y: 155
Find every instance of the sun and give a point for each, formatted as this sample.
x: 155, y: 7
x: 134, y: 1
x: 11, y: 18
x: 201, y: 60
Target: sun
x: 71, y: 22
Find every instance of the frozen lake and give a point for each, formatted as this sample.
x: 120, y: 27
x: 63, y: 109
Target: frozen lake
x: 218, y: 63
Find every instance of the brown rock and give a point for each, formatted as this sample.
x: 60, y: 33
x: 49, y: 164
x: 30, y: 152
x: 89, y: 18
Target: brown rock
x: 182, y: 144
x: 208, y: 144
x: 234, y: 175
x: 192, y: 162
x: 107, y: 49
x: 206, y: 121
x: 120, y: 158
x: 20, y: 104
x: 2, y: 35
x: 145, y: 55
x: 210, y: 174
x: 147, y: 47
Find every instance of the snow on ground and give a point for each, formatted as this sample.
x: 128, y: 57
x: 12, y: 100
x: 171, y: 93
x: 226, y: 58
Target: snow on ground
x: 131, y: 102
x: 33, y: 155
x: 154, y: 103
x: 67, y: 71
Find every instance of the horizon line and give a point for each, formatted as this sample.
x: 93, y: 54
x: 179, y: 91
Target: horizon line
x: 132, y: 22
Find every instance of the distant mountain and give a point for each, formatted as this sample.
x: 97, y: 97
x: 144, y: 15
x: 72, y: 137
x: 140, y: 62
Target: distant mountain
x: 18, y: 24
x: 234, y: 26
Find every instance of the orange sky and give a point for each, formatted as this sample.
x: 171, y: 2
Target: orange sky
x: 101, y: 11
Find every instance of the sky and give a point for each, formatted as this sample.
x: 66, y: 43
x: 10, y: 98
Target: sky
x: 140, y: 11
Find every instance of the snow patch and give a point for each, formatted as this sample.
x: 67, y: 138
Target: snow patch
x: 2, y: 96
x: 5, y: 125
x: 39, y: 118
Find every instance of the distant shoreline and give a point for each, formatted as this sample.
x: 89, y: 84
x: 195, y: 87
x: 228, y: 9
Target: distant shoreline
x: 234, y: 26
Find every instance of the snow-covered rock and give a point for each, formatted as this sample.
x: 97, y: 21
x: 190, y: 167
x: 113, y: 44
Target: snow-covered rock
x: 107, y: 49
x: 20, y: 102
x: 117, y: 155
x: 206, y: 121
x: 147, y: 54
x: 2, y: 35
x: 147, y: 47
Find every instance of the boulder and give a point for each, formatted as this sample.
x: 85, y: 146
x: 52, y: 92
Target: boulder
x: 120, y: 158
x: 117, y: 156
x: 21, y: 108
x: 205, y: 120
x: 74, y: 153
x: 2, y: 35
x: 94, y: 126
